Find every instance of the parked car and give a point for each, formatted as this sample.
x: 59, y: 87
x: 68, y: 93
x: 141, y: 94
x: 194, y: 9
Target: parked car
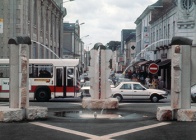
x: 119, y: 80
x: 85, y: 90
x: 135, y: 90
x: 193, y: 93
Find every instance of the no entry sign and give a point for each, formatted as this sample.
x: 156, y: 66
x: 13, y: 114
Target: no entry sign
x: 153, y: 68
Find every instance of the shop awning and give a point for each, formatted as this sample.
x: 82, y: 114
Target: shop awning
x: 164, y: 63
x: 149, y: 62
x: 157, y: 61
x: 142, y: 63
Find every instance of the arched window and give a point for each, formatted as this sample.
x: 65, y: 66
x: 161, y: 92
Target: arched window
x: 187, y: 4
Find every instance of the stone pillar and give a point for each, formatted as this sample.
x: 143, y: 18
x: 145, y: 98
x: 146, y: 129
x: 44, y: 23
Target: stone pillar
x: 99, y: 72
x: 100, y: 89
x: 19, y: 72
x: 181, y: 84
x: 14, y: 77
x: 181, y: 73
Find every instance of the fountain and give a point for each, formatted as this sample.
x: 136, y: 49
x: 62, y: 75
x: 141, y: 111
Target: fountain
x: 99, y: 71
x: 19, y: 108
x: 47, y: 48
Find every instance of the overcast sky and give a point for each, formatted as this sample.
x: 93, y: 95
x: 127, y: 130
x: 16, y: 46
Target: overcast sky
x: 104, y: 19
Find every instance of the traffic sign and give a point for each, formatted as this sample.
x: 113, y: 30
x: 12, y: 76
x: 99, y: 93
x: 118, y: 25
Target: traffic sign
x: 153, y: 68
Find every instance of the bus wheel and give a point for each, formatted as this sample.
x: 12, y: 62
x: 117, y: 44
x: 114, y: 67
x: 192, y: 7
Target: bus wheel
x: 42, y: 95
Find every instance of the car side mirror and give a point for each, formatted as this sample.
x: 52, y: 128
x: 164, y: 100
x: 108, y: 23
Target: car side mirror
x: 144, y: 89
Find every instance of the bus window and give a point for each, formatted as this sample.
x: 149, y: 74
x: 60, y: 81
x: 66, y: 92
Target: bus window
x: 59, y: 77
x: 40, y: 71
x: 70, y: 77
x: 4, y: 71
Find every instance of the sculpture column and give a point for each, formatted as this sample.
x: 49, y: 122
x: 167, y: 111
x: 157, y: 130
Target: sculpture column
x: 19, y: 72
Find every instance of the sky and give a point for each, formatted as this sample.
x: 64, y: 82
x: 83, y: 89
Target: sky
x: 104, y: 19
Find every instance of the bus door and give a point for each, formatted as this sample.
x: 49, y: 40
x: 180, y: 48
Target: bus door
x: 59, y: 81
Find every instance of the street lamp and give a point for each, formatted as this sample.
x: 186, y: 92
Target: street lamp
x: 78, y: 35
x: 82, y: 23
x: 85, y: 36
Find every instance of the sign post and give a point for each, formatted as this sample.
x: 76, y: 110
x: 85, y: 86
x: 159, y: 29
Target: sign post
x: 153, y: 68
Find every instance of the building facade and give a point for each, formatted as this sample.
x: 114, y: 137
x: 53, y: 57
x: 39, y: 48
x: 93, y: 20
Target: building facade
x: 41, y: 20
x: 164, y: 20
x: 73, y: 46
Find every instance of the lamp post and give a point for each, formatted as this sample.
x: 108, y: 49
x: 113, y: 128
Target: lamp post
x: 78, y: 35
x: 87, y: 56
x: 60, y: 15
x: 84, y: 36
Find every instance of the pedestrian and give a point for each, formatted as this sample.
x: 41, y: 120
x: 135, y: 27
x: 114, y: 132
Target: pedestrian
x: 155, y: 83
x: 147, y: 82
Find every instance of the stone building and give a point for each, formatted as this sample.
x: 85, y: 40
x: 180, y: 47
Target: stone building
x: 41, y: 20
x: 73, y: 46
x: 155, y: 28
x: 130, y: 49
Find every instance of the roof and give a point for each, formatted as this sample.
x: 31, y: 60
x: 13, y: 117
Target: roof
x: 164, y: 63
x: 126, y: 32
x: 158, y: 8
x: 131, y: 37
x: 55, y: 62
x: 167, y: 5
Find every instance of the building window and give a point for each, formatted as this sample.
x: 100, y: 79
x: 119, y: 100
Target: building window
x: 29, y: 10
x: 51, y: 26
x: 168, y: 30
x: 35, y: 12
x: 51, y: 52
x: 187, y: 4
x: 47, y: 52
x: 174, y: 28
x: 34, y: 50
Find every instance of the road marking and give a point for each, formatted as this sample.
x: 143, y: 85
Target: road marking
x: 133, y: 130
x: 105, y: 137
x: 66, y: 130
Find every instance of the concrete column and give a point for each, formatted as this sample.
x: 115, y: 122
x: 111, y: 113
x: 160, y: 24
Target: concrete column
x: 14, y: 84
x: 181, y: 74
x: 19, y: 72
x: 186, y: 77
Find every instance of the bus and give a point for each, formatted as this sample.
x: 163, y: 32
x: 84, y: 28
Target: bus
x: 48, y: 78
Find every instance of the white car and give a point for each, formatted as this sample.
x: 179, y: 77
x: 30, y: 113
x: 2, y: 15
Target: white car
x: 135, y: 90
x: 85, y: 90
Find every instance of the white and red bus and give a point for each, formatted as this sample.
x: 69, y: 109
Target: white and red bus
x: 48, y: 78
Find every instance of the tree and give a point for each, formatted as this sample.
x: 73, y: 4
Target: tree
x: 113, y: 45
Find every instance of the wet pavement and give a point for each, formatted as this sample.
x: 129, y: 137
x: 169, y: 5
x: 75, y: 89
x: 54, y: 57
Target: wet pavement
x: 134, y: 120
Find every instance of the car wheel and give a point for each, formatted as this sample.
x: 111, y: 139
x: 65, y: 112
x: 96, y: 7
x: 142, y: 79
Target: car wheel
x: 193, y: 99
x: 42, y: 95
x: 118, y: 97
x: 82, y: 96
x: 154, y: 98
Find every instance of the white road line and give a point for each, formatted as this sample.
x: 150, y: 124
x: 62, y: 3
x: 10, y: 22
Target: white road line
x: 105, y: 137
x: 134, y: 130
x: 66, y: 130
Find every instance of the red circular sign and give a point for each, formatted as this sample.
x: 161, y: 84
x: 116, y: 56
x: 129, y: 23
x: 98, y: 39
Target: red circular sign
x: 153, y: 68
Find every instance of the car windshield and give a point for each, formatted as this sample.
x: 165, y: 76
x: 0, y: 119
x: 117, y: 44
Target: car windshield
x: 86, y: 84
